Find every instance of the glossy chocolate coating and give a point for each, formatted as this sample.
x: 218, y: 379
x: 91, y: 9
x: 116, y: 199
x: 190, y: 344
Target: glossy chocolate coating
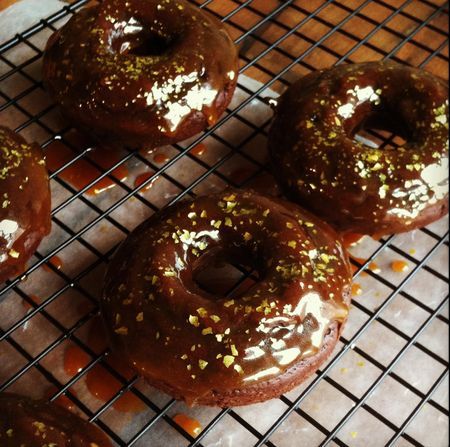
x: 211, y: 350
x: 355, y: 187
x: 25, y: 202
x: 30, y: 423
x: 146, y: 73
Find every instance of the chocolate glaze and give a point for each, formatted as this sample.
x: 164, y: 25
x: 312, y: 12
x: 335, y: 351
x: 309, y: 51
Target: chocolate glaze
x: 355, y: 187
x: 209, y: 349
x: 25, y: 202
x: 30, y: 423
x: 146, y: 73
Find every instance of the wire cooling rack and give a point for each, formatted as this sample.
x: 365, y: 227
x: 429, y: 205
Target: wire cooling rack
x: 403, y: 400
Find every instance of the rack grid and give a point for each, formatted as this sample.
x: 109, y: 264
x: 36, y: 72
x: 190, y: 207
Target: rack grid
x: 279, y: 41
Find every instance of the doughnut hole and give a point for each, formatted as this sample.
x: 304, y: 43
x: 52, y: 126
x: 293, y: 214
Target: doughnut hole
x: 225, y: 273
x: 138, y: 39
x: 382, y: 129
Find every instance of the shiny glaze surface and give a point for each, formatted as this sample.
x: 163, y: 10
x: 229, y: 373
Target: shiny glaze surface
x: 355, y: 187
x: 30, y: 423
x: 147, y: 73
x: 193, y: 343
x: 24, y: 200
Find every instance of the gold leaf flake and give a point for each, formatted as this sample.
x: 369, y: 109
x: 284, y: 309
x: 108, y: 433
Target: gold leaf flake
x: 228, y: 360
x: 194, y: 320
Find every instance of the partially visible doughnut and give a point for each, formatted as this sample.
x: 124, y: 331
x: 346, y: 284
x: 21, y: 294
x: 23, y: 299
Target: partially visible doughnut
x: 33, y: 423
x: 24, y: 202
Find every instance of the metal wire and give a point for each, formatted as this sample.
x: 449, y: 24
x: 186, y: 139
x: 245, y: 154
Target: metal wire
x: 256, y: 44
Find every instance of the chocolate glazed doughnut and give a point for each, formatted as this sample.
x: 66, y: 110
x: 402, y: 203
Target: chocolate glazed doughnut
x: 353, y: 186
x: 25, y: 202
x: 146, y: 73
x: 30, y: 423
x: 213, y: 350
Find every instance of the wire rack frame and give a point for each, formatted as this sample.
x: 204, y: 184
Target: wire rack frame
x: 266, y: 15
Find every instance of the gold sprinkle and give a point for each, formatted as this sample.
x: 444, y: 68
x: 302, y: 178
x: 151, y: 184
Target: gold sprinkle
x: 228, y: 360
x: 192, y: 215
x: 219, y: 337
x: 184, y: 357
x: 202, y: 312
x: 123, y: 330
x: 215, y: 318
x: 292, y: 244
x: 207, y: 331
x: 289, y: 225
x: 39, y: 425
x: 219, y: 356
x: 247, y: 236
x: 194, y: 320
x: 266, y: 213
x: 228, y: 222
x: 204, y: 214
x: 202, y: 364
x: 234, y: 351
x: 228, y: 303
x: 9, y: 432
x: 238, y: 369
x: 13, y: 253
x: 230, y: 198
x: 140, y: 317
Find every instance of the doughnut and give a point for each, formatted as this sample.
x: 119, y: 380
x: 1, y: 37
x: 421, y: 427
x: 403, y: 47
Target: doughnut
x: 352, y: 186
x: 32, y: 423
x: 144, y: 73
x: 25, y: 202
x: 209, y: 349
